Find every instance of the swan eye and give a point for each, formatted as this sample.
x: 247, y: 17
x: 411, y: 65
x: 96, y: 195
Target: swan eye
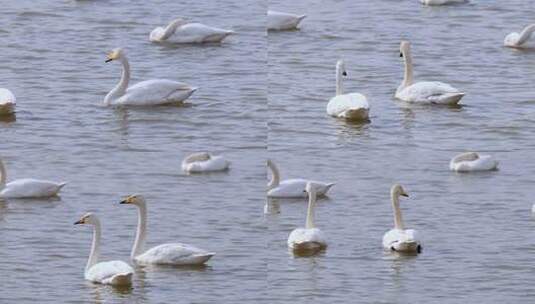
x: 344, y: 73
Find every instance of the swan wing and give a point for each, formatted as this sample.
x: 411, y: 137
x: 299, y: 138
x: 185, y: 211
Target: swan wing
x: 348, y: 106
x: 29, y: 187
x: 174, y: 254
x: 215, y: 163
x: 283, y: 21
x: 155, y: 92
x: 105, y: 272
x: 430, y: 92
x: 289, y: 188
x: 301, y: 236
x: 198, y: 33
x: 482, y: 163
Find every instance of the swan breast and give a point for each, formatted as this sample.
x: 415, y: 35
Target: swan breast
x: 300, y: 237
x: 7, y: 101
x: 108, y: 272
x: 349, y: 106
x: 401, y: 240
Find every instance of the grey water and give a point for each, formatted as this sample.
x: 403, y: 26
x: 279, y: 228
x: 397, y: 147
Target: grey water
x: 264, y: 95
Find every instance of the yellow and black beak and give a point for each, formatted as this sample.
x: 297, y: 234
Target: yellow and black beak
x: 79, y: 222
x: 124, y: 202
x: 404, y: 194
x: 108, y: 60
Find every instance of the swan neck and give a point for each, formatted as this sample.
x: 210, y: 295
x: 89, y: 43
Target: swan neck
x: 3, y: 175
x: 170, y: 29
x: 407, y: 77
x: 339, y: 85
x: 310, y: 210
x: 275, y: 176
x: 139, y: 243
x: 398, y: 220
x: 121, y: 87
x: 95, y: 246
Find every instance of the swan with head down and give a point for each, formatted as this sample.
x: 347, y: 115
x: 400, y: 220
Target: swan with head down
x: 204, y: 162
x: 279, y: 21
x: 291, y: 188
x: 181, y: 31
x: 146, y: 93
x: 473, y: 161
x: 522, y: 39
x: 442, y: 2
x: 7, y: 102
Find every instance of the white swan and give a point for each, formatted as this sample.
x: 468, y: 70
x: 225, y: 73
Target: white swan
x: 146, y: 93
x: 442, y: 2
x: 117, y: 273
x: 27, y: 187
x: 295, y: 187
x: 310, y: 237
x: 180, y: 31
x: 204, y: 162
x: 424, y: 92
x: 400, y: 239
x: 473, y: 161
x: 352, y: 106
x: 7, y: 102
x: 516, y: 40
x: 165, y: 254
x: 278, y: 21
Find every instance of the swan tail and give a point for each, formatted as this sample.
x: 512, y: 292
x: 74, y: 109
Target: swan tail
x: 204, y: 257
x: 449, y: 98
x: 121, y: 279
x: 61, y: 185
x: 300, y: 18
x: 328, y: 187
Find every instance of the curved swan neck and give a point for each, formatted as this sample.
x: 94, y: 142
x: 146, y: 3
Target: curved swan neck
x: 121, y: 87
x: 468, y: 156
x: 407, y: 77
x: 95, y: 246
x: 310, y: 210
x: 170, y: 29
x: 3, y: 175
x: 339, y: 85
x: 526, y: 32
x: 398, y: 220
x: 275, y: 176
x: 139, y: 243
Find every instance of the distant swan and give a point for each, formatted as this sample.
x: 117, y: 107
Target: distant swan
x: 204, y: 162
x: 442, y: 2
x: 165, y: 254
x: 146, y: 93
x: 352, y: 106
x: 117, y: 273
x: 278, y: 21
x: 400, y: 239
x: 295, y: 187
x: 473, y: 161
x: 7, y: 102
x: 310, y: 237
x: 27, y: 187
x: 424, y: 92
x: 180, y: 31
x: 516, y: 40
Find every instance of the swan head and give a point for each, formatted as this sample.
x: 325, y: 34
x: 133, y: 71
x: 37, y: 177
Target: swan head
x: 397, y: 191
x: 87, y: 219
x: 115, y: 54
x: 404, y: 48
x: 134, y: 199
x: 341, y: 67
x: 311, y: 187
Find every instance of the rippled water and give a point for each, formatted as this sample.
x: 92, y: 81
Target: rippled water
x: 477, y: 229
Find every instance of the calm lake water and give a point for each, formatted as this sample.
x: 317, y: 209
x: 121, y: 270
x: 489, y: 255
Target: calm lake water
x: 478, y: 233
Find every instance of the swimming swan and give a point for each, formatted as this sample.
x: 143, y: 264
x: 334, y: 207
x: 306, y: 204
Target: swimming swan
x: 180, y: 31
x: 310, y: 237
x: 442, y: 2
x: 473, y: 161
x: 400, y: 239
x: 7, y: 102
x: 295, y: 187
x: 278, y: 21
x: 146, y: 93
x: 27, y: 187
x: 516, y: 40
x: 117, y: 273
x: 426, y: 91
x: 165, y: 254
x: 352, y: 106
x: 204, y: 162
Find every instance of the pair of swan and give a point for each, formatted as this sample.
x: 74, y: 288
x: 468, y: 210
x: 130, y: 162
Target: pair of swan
x: 425, y: 92
x: 204, y: 162
x: 27, y: 187
x: 146, y: 93
x: 279, y: 21
x: 442, y: 2
x: 181, y: 31
x: 119, y: 272
x: 291, y: 188
x: 351, y: 106
x: 7, y: 102
x: 520, y: 40
x: 473, y: 161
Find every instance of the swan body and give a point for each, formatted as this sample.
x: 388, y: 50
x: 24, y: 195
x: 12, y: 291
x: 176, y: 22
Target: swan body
x: 179, y: 31
x: 279, y: 21
x: 146, y: 93
x: 7, y: 102
x: 292, y: 188
x: 165, y: 254
x: 352, y: 106
x: 442, y: 2
x: 400, y: 239
x: 204, y: 162
x: 116, y: 273
x: 473, y: 161
x: 310, y: 237
x: 427, y: 92
x: 520, y: 40
x: 27, y: 187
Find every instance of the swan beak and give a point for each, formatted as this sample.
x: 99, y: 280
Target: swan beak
x: 108, y: 60
x: 79, y: 222
x: 124, y: 202
x: 404, y: 194
x: 344, y: 73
